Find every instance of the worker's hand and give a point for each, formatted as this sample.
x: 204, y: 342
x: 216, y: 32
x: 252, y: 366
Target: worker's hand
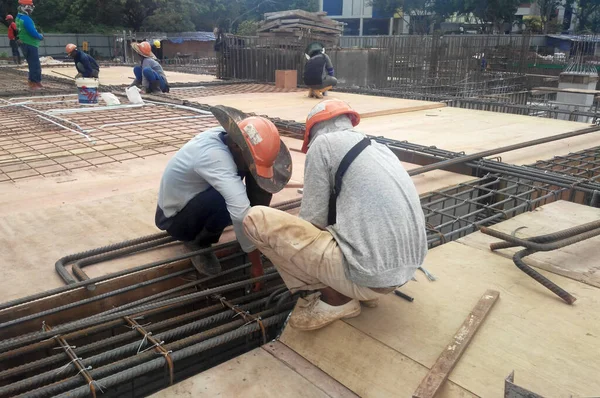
x: 256, y: 269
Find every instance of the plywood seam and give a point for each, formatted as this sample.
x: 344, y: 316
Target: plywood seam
x: 408, y: 357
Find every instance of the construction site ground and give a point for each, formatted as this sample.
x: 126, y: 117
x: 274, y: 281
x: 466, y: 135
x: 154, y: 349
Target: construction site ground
x: 63, y: 193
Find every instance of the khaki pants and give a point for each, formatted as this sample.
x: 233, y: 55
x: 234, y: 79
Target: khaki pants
x: 306, y: 257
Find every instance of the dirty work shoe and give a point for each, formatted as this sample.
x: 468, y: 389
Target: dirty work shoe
x: 370, y: 303
x: 206, y: 263
x: 311, y: 93
x: 312, y: 313
x: 318, y: 94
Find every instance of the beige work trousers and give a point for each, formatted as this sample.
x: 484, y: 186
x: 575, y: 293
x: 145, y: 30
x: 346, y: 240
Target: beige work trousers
x: 306, y: 257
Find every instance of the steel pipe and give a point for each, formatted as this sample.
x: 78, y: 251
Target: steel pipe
x: 542, y: 247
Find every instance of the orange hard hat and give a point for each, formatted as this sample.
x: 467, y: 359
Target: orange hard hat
x: 9, y: 18
x: 326, y: 110
x: 70, y: 48
x: 26, y: 2
x: 144, y: 49
x: 268, y: 159
x: 263, y: 140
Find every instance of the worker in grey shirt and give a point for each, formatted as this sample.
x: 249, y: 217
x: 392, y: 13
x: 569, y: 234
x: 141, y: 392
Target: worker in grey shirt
x: 202, y: 189
x: 149, y: 75
x: 371, y: 243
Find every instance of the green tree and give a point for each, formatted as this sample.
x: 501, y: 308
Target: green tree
x: 496, y: 13
x: 548, y: 9
x: 587, y: 15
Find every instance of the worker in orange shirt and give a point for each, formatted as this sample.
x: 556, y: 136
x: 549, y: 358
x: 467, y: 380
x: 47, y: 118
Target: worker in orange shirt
x: 13, y: 36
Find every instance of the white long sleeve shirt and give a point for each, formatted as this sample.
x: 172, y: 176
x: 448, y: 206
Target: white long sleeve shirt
x: 204, y: 162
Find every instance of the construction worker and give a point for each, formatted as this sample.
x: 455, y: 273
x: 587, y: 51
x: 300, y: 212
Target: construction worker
x: 30, y: 38
x: 318, y: 71
x: 157, y: 50
x: 13, y: 36
x: 149, y: 75
x: 360, y: 232
x: 85, y: 64
x: 202, y: 192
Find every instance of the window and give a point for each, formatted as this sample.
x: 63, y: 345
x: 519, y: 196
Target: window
x: 352, y: 27
x: 376, y: 27
x: 333, y: 7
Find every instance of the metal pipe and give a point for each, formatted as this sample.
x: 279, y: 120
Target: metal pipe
x: 94, y: 109
x: 67, y: 128
x: 158, y: 363
x: 450, y: 162
x: 187, y: 108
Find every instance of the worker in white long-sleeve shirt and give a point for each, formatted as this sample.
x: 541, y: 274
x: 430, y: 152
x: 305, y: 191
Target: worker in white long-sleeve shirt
x: 202, y: 190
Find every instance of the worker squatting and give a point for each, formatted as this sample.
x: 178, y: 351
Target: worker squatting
x: 360, y: 232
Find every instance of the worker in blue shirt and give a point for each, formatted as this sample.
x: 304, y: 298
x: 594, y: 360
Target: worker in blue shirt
x: 85, y: 64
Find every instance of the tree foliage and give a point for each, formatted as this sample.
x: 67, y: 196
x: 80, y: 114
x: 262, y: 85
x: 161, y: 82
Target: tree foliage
x: 78, y: 16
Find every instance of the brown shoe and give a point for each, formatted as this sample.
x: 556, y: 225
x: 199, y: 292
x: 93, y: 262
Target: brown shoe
x: 311, y: 313
x: 370, y: 303
x: 311, y: 93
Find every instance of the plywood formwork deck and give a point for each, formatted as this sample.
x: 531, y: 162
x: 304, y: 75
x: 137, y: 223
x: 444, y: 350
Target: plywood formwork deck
x: 471, y: 131
x: 296, y: 105
x: 119, y: 75
x: 550, y: 345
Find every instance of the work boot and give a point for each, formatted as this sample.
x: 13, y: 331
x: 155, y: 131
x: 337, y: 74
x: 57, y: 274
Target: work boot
x: 155, y: 88
x: 311, y: 93
x: 311, y: 313
x: 370, y: 303
x: 318, y: 94
x: 206, y: 263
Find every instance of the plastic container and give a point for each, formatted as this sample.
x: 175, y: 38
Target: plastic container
x: 87, y: 90
x: 110, y: 99
x: 133, y: 95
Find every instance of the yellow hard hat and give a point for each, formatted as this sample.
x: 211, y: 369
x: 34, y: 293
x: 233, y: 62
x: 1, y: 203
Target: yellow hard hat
x: 157, y: 43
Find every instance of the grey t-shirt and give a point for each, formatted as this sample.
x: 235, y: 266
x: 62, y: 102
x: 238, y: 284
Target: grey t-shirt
x: 155, y: 66
x: 380, y: 225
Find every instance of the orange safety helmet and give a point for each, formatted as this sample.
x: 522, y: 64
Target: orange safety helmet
x: 9, y: 18
x: 143, y: 49
x: 70, y: 48
x: 326, y: 110
x: 267, y: 157
x: 26, y: 2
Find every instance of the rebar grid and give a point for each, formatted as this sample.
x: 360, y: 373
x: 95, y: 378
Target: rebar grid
x: 14, y: 82
x: 457, y: 211
x: 209, y: 91
x: 583, y: 164
x: 31, y: 146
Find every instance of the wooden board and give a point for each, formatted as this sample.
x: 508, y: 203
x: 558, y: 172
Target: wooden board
x: 361, y: 363
x: 579, y: 261
x: 295, y: 106
x: 448, y: 359
x: 118, y: 75
x: 253, y: 374
x: 551, y: 346
x: 472, y: 131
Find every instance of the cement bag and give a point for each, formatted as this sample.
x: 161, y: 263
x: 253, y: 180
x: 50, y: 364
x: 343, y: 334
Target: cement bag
x: 133, y: 94
x: 110, y: 99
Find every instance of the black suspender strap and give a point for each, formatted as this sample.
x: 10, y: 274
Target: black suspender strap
x: 339, y: 175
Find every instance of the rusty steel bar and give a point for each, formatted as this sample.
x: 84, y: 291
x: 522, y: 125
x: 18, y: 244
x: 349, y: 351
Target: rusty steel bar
x: 542, y: 247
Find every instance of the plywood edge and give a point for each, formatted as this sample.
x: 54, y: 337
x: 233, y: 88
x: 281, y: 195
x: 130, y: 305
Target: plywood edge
x: 386, y: 112
x: 310, y: 372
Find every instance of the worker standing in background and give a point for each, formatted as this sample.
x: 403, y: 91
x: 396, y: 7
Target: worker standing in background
x: 149, y: 75
x: 361, y: 230
x: 157, y: 49
x: 30, y: 38
x: 318, y: 71
x: 13, y: 35
x: 85, y: 64
x: 202, y: 191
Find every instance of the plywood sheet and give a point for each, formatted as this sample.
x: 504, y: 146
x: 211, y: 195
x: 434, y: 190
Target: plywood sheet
x: 295, y: 106
x: 361, y: 363
x: 551, y: 346
x: 473, y: 131
x: 579, y: 261
x: 119, y: 75
x: 253, y: 374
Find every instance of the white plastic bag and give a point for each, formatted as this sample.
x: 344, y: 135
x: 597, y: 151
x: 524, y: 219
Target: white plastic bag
x: 110, y: 99
x: 133, y: 94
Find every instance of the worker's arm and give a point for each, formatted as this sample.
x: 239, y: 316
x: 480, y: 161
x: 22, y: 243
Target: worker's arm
x: 87, y: 66
x: 30, y: 27
x: 328, y: 65
x: 317, y: 184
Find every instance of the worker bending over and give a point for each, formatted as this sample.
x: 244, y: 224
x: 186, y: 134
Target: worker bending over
x: 318, y: 71
x: 355, y: 247
x: 150, y: 76
x: 29, y: 39
x: 13, y: 36
x: 85, y: 64
x: 202, y: 189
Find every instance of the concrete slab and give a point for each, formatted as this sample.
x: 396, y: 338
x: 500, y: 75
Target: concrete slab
x: 118, y: 75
